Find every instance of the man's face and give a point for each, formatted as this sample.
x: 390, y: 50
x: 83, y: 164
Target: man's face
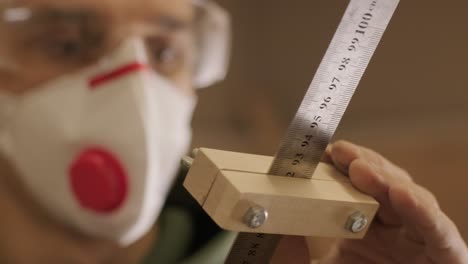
x: 65, y: 36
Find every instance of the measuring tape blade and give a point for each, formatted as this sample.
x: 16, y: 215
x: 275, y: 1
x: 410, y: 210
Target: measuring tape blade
x: 333, y: 86
x: 250, y: 248
x: 324, y: 104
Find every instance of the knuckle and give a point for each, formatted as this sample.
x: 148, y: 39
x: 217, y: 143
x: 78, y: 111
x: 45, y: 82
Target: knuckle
x: 403, y: 174
x: 374, y: 157
x: 341, y: 143
x: 429, y: 196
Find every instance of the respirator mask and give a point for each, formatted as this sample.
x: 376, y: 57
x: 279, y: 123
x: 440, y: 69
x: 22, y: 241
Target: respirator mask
x: 99, y: 147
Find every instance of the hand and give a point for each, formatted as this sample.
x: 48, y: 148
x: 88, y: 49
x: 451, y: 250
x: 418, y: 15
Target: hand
x: 410, y: 227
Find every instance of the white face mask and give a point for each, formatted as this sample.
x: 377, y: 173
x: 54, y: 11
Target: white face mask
x: 100, y: 153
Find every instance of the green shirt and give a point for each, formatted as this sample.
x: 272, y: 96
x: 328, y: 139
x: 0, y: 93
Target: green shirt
x: 187, y: 235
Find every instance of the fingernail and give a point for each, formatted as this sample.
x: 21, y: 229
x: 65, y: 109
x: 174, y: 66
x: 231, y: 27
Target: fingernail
x: 340, y: 165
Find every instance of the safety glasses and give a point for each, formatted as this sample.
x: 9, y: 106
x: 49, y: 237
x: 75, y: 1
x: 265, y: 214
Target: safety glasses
x: 51, y: 39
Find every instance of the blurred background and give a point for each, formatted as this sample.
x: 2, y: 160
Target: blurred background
x: 411, y: 106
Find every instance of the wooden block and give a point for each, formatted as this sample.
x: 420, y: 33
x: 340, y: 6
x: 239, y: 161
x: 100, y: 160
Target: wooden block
x: 226, y: 184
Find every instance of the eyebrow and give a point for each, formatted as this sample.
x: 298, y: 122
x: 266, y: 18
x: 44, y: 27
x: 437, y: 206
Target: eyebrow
x: 167, y: 20
x: 172, y: 23
x: 49, y: 14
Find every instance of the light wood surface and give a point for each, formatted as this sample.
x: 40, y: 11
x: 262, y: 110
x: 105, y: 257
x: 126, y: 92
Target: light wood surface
x: 227, y: 184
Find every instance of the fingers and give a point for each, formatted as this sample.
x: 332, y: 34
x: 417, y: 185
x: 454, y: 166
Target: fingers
x: 419, y: 211
x: 426, y: 223
x: 369, y: 181
x: 402, y: 201
x: 344, y: 153
x: 327, y: 158
x: 370, y: 173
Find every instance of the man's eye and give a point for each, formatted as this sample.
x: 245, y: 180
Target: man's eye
x: 166, y: 57
x: 64, y: 44
x: 75, y: 46
x: 64, y: 49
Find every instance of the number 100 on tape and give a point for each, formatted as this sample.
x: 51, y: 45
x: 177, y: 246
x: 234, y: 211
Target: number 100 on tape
x: 333, y: 86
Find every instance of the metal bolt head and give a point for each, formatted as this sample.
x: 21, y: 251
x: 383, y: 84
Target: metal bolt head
x: 195, y: 152
x: 255, y: 217
x: 186, y: 162
x: 357, y: 222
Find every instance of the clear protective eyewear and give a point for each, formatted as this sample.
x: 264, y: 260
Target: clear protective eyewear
x: 39, y: 40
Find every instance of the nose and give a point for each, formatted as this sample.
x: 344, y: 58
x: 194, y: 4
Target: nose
x: 98, y: 180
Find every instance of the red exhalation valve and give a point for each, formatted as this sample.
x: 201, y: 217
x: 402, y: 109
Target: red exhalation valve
x: 98, y: 180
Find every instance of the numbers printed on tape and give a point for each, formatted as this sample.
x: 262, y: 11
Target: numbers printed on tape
x: 334, y: 84
x: 324, y: 104
x: 251, y: 248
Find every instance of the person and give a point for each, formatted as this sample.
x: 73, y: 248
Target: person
x: 96, y: 99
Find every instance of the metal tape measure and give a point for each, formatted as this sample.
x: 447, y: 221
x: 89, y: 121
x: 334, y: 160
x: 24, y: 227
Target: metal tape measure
x: 324, y: 104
